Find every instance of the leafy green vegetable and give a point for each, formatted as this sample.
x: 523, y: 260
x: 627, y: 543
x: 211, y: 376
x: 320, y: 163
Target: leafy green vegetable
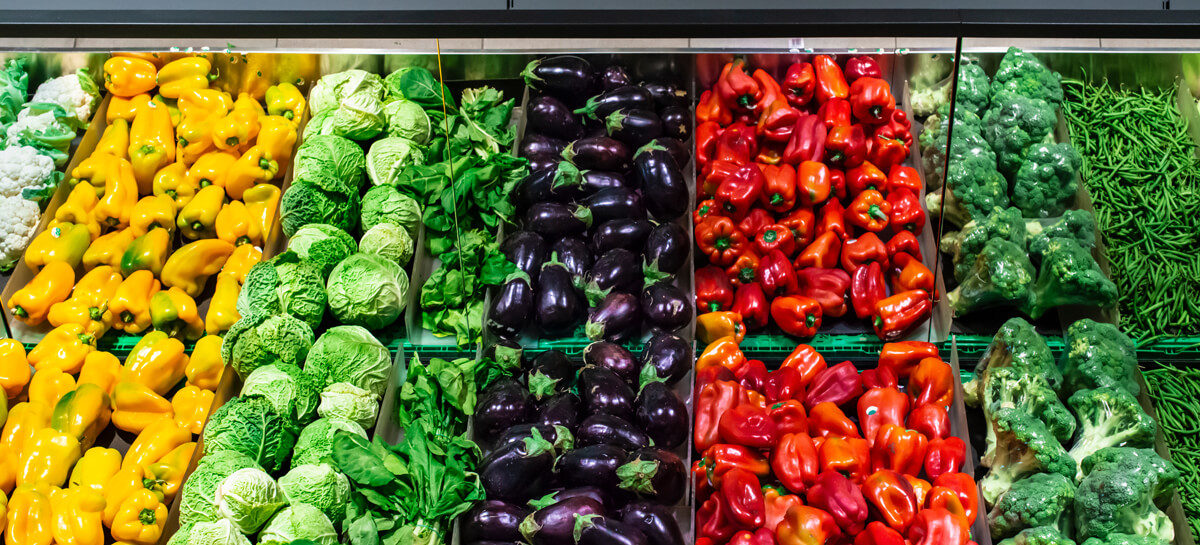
x: 221, y: 532
x: 248, y: 498
x: 316, y: 440
x: 320, y: 486
x: 388, y: 156
x: 285, y: 284
x: 452, y: 297
x: 349, y: 353
x: 318, y: 198
x: 299, y: 521
x: 385, y: 204
x: 199, y: 503
x: 390, y: 241
x: 367, y: 290
x: 349, y: 402
x: 291, y: 392
x: 407, y: 119
x: 250, y: 426
x: 323, y: 245
x: 420, y: 86
x: 257, y: 340
x: 355, y: 99
x: 331, y: 155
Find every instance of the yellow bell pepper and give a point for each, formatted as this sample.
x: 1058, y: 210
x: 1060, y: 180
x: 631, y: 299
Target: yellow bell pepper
x: 127, y: 76
x: 125, y: 108
x: 156, y: 361
x: 64, y: 348
x: 30, y: 518
x: 120, y: 194
x: 183, y: 75
x: 155, y: 211
x: 202, y: 102
x: 108, y: 249
x: 93, y: 170
x: 262, y: 200
x: 48, y: 386
x: 83, y: 414
x: 65, y: 242
x: 78, y: 517
x: 115, y: 140
x: 151, y: 144
x: 48, y: 457
x: 278, y: 137
x: 190, y: 266
x: 88, y: 305
x: 140, y: 519
x: 240, y: 261
x: 24, y: 420
x: 174, y: 312
x: 78, y: 207
x: 131, y: 304
x: 222, y: 308
x: 211, y: 169
x: 254, y: 167
x: 123, y: 485
x: 235, y: 226
x: 172, y: 107
x: 191, y: 406
x: 155, y: 442
x: 14, y: 367
x: 238, y: 128
x: 205, y: 367
x: 171, y: 469
x: 96, y: 468
x: 193, y: 139
x: 135, y: 407
x: 285, y: 100
x: 101, y: 369
x: 31, y: 304
x: 147, y: 252
x: 154, y: 58
x: 245, y: 102
x: 198, y: 219
x: 8, y: 469
x: 172, y: 181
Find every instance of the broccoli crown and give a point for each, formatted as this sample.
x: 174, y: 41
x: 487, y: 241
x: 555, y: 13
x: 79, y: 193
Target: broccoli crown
x: 1044, y: 499
x: 1125, y: 539
x: 1023, y: 446
x: 1098, y: 355
x: 1122, y: 492
x: 1011, y: 387
x: 1042, y: 535
x: 976, y: 189
x: 1022, y: 73
x: 974, y: 91
x: 1109, y: 417
x: 1002, y: 275
x: 1069, y: 275
x: 1018, y: 345
x: 1079, y: 225
x: 1004, y: 224
x: 1045, y: 185
x: 968, y: 141
x: 1013, y: 124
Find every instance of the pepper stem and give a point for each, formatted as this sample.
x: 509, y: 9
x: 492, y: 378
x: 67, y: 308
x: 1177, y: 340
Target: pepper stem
x: 714, y: 306
x: 722, y: 244
x: 875, y: 212
x: 811, y: 320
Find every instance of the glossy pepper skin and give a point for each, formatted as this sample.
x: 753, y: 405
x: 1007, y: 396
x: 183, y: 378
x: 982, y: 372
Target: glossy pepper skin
x: 799, y: 84
x: 867, y: 287
x: 796, y: 315
x: 78, y: 516
x: 14, y: 367
x: 95, y: 468
x: 893, y: 498
x: 712, y: 326
x: 753, y: 223
x: 965, y: 487
x: 130, y: 304
x: 931, y: 420
x: 109, y: 248
x: 794, y: 461
x: 710, y: 108
x: 776, y: 274
x: 846, y: 146
x: 155, y: 442
x: 170, y: 469
x: 806, y: 525
x: 89, y: 302
x: 779, y: 191
x: 827, y: 420
x: 720, y: 240
x: 866, y: 176
x: 865, y: 249
x: 802, y: 223
x: 706, y: 142
x: 903, y: 356
x: 751, y: 304
x: 258, y: 165
x: 862, y: 66
x: 878, y: 533
x: 48, y: 386
x: 879, y: 407
x: 205, y: 366
x: 778, y: 501
x: 736, y: 145
x: 100, y: 369
x: 831, y: 82
x: 744, y: 269
x: 63, y: 242
x: 835, y: 494
x: 944, y: 456
x: 906, y: 212
x: 869, y: 211
x: 714, y: 401
x: 899, y: 449
x: 140, y: 519
x: 190, y: 266
x: 872, y: 101
x: 938, y: 526
x: 31, y: 304
x: 775, y: 237
x: 906, y: 177
x: 932, y: 383
x: 277, y: 138
x: 900, y: 314
x: 172, y: 182
x: 832, y: 219
x: 713, y: 520
x: 115, y: 140
x: 807, y: 141
x: 736, y: 89
x: 823, y: 253
x: 285, y: 100
x: 748, y: 425
x: 828, y: 287
x: 261, y: 201
x: 158, y: 362
x: 903, y: 242
x: 776, y: 117
x: 835, y: 113
x: 807, y: 361
x: 64, y: 347
x: 47, y: 458
x: 235, y: 226
x: 740, y: 191
x: 719, y: 459
x: 879, y: 377
x: 136, y: 406
x: 839, y: 385
x: 127, y: 76
x: 174, y: 312
x: 30, y: 517
x: 721, y: 353
x: 24, y: 420
x: 886, y: 151
x: 714, y: 292
x: 152, y: 212
x: 812, y: 183
x: 211, y: 169
x: 222, y: 308
x: 743, y: 494
x: 147, y: 253
x: 198, y: 219
x: 910, y: 274
x: 78, y: 208
x: 184, y: 74
x: 151, y: 144
x: 83, y: 414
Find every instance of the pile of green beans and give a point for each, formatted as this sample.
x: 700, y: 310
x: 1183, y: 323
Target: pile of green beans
x: 1176, y: 394
x: 1144, y: 178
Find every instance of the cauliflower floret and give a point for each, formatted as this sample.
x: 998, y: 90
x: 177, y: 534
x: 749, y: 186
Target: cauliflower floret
x: 17, y: 230
x: 76, y: 93
x: 23, y: 167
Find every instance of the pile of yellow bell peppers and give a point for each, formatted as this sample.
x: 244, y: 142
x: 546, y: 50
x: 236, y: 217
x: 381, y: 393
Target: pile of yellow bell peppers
x: 58, y: 487
x: 187, y: 168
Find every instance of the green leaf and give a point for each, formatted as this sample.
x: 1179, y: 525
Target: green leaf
x: 353, y: 458
x: 638, y: 476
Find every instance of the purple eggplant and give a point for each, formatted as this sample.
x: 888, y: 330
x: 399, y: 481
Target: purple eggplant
x: 605, y: 392
x: 527, y: 250
x: 677, y: 122
x: 555, y: 524
x: 617, y: 270
x: 560, y: 410
x: 599, y: 530
x: 535, y: 188
x: 536, y: 145
x: 490, y: 542
x: 559, y: 436
x: 622, y: 98
x: 575, y: 255
x: 507, y: 353
x: 656, y: 521
x: 598, y: 153
x: 596, y: 180
x: 662, y: 415
x: 564, y: 76
x: 568, y: 188
x: 615, y: 204
x: 617, y: 318
x: 666, y: 358
x: 606, y: 429
x: 614, y: 357
x: 511, y: 306
x: 549, y: 116
x: 558, y: 309
x: 665, y: 306
x: 613, y: 77
x: 503, y: 404
x: 517, y: 471
x: 630, y: 234
x: 590, y: 492
x: 666, y: 95
x: 549, y: 373
x: 654, y: 474
x: 666, y: 251
x: 634, y: 127
x: 543, y: 162
x: 594, y: 465
x: 552, y: 220
x: 493, y: 520
x: 679, y: 151
x: 662, y: 183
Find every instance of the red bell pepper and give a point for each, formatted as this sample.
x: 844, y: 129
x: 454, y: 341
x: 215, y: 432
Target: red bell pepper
x: 879, y: 407
x: 944, y: 456
x: 748, y: 425
x: 901, y: 313
x: 720, y: 239
x: 700, y: 482
x: 835, y: 494
x: 795, y: 462
x: 850, y: 456
x: 788, y: 415
x: 776, y: 117
x: 797, y: 315
x: 723, y: 352
x: 903, y: 242
x: 771, y: 92
x: 736, y: 144
x: 713, y: 520
x: 906, y: 212
x: 711, y: 374
x: 775, y: 237
x: 778, y: 502
x: 869, y: 210
x: 880, y: 377
x: 713, y: 174
x: 736, y: 89
x: 865, y: 176
x: 839, y: 385
x: 931, y: 420
x: 761, y: 536
x: 939, y: 527
x: 712, y: 109
x: 863, y: 250
x: 744, y: 497
x: 703, y: 210
x: 885, y: 152
x: 807, y: 360
x: 714, y: 400
x: 827, y: 286
x: 739, y: 192
x: 893, y: 498
x: 706, y: 141
x: 712, y: 326
x: 779, y: 192
x: 872, y: 101
x: 719, y: 459
x: 835, y: 113
x: 877, y: 533
x: 832, y: 218
x: 921, y: 487
x: 713, y: 291
x: 806, y: 525
x: 941, y: 497
x: 751, y: 303
x: 827, y: 420
x: 800, y: 84
x: 898, y: 128
x: 907, y: 177
x: 776, y: 275
x: 862, y: 66
x: 837, y: 183
x: 910, y: 274
x: 822, y: 253
x: 846, y: 146
x: 744, y: 269
x: 867, y: 288
x: 812, y: 183
x: 770, y: 153
x: 964, y: 485
x: 786, y: 384
x: 831, y: 83
x: 899, y: 450
x: 931, y: 383
x: 753, y: 375
x: 807, y: 142
x: 803, y: 225
x: 902, y: 357
x: 754, y: 222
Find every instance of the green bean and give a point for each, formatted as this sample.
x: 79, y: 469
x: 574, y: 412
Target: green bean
x: 1175, y: 391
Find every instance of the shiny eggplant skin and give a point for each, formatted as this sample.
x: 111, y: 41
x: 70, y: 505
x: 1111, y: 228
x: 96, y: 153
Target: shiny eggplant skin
x: 594, y: 465
x: 527, y: 250
x: 656, y: 521
x: 662, y: 477
x: 598, y: 153
x: 614, y: 357
x: 662, y: 183
x: 583, y: 184
x: 493, y: 520
x: 613, y: 77
x: 507, y: 353
x: 634, y: 127
x: 663, y: 415
x: 679, y: 151
x: 630, y: 234
x: 557, y: 306
x: 560, y: 410
x: 605, y: 392
x: 503, y: 404
x: 666, y: 250
x: 511, y: 306
x: 666, y: 358
x: 590, y: 492
x: 549, y: 116
x: 575, y: 255
x: 677, y: 122
x: 543, y: 162
x: 610, y: 531
x: 616, y: 318
x: 553, y: 220
x: 666, y: 307
x: 606, y: 429
x: 614, y: 204
x: 563, y: 76
x: 617, y: 270
x: 555, y: 524
x: 666, y: 95
x: 549, y: 373
x: 516, y: 473
x: 622, y: 98
x: 535, y: 188
x: 534, y: 145
x: 597, y: 180
x: 562, y: 438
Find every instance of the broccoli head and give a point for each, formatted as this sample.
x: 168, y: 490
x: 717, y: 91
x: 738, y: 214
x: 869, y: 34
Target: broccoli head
x: 1122, y: 493
x: 1044, y: 499
x: 1098, y: 355
x: 1022, y: 73
x: 1013, y: 124
x: 1018, y: 345
x: 974, y: 91
x: 1109, y: 417
x: 1023, y: 447
x: 964, y: 246
x: 1002, y: 275
x: 1042, y: 535
x: 1125, y: 539
x: 1069, y: 275
x: 968, y: 141
x: 1045, y: 185
x: 1079, y: 225
x: 974, y: 189
x: 1011, y: 387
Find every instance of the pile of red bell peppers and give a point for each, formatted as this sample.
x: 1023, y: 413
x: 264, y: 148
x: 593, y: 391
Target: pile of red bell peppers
x: 806, y: 210
x: 814, y: 454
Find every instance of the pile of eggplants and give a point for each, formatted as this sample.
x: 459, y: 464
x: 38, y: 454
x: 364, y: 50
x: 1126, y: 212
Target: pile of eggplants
x: 583, y: 453
x: 600, y: 240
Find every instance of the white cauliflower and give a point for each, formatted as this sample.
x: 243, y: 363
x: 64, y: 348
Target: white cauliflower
x: 17, y: 230
x: 23, y: 167
x: 76, y: 93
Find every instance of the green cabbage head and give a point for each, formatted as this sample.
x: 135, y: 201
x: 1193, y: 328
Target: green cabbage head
x: 388, y: 156
x: 345, y: 400
x: 407, y: 119
x: 198, y: 501
x: 388, y: 240
x: 291, y: 392
x: 221, y: 532
x: 316, y: 440
x: 367, y: 290
x: 331, y: 155
x: 297, y: 522
x: 322, y: 245
x: 249, y: 425
x: 320, y: 486
x: 248, y: 498
x: 386, y: 204
x: 349, y: 353
x: 356, y: 99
